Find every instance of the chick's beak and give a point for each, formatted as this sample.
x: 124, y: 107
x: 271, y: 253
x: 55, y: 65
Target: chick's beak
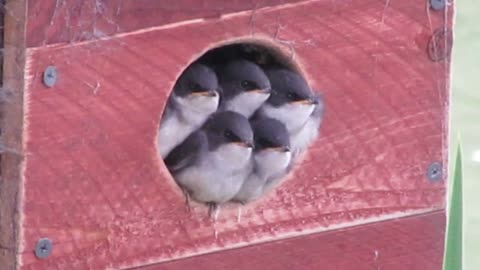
x: 212, y: 93
x: 244, y: 144
x: 209, y: 93
x: 261, y: 91
x: 282, y: 149
x: 309, y: 101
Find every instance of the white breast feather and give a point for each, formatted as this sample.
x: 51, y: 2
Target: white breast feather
x: 302, y: 139
x: 191, y: 113
x: 246, y: 103
x: 293, y: 115
x: 269, y: 166
x: 219, y: 176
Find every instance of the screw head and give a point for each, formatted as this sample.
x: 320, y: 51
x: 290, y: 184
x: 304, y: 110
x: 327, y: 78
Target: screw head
x: 50, y: 76
x: 437, y: 4
x: 434, y: 172
x: 43, y: 248
x: 440, y: 44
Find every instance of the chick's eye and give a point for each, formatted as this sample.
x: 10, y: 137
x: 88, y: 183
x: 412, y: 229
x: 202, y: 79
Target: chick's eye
x: 247, y: 85
x: 194, y: 86
x: 291, y: 95
x: 232, y: 137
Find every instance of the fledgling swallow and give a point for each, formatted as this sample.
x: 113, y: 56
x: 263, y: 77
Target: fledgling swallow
x: 309, y: 132
x: 293, y: 103
x: 271, y: 159
x: 245, y: 87
x: 212, y: 163
x: 194, y: 98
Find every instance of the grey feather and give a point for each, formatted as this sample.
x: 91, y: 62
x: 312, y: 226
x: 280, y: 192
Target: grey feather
x: 194, y: 98
x: 271, y: 159
x: 213, y: 163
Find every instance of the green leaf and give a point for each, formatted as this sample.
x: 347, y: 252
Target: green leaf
x: 452, y: 259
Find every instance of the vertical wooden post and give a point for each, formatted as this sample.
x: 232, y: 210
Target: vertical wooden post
x: 11, y: 131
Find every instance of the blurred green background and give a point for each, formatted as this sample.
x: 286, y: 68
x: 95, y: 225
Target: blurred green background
x: 465, y: 120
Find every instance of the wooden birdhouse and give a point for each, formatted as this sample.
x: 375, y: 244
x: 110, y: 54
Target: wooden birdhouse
x: 85, y: 83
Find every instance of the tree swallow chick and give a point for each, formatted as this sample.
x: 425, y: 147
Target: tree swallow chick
x: 194, y: 98
x: 245, y: 87
x: 309, y: 132
x: 212, y: 163
x: 293, y: 103
x: 271, y: 159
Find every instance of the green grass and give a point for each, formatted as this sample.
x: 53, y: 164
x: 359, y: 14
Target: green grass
x: 466, y: 121
x: 454, y: 241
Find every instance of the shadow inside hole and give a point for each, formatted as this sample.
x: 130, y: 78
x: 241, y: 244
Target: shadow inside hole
x: 265, y: 57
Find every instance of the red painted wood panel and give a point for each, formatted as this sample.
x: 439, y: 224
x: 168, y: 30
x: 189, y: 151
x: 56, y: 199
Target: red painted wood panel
x: 413, y: 243
x: 72, y: 20
x: 93, y: 182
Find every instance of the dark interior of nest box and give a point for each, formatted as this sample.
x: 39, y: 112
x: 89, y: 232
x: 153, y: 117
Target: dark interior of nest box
x: 261, y: 55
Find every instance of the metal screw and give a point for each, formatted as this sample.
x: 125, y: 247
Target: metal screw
x: 43, y: 249
x: 437, y: 4
x: 434, y: 171
x: 50, y: 76
x: 440, y: 44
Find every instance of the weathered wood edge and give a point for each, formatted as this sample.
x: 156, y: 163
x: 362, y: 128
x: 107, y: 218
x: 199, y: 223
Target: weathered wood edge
x: 267, y: 252
x: 11, y: 126
x: 2, y: 12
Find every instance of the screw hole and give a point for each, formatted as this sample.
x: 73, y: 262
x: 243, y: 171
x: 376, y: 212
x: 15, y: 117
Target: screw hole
x: 437, y: 4
x: 49, y: 76
x: 43, y: 248
x: 434, y: 172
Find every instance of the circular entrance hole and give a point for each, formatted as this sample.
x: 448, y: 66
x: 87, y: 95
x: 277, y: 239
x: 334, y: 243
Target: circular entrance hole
x: 235, y: 122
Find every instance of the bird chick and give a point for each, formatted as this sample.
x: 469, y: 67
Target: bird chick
x: 271, y: 159
x: 293, y: 103
x: 212, y: 163
x: 245, y: 87
x: 309, y: 132
x: 194, y: 98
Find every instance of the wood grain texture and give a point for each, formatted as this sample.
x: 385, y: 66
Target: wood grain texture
x: 72, y: 20
x: 414, y: 243
x: 93, y: 181
x: 2, y: 27
x: 11, y: 127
